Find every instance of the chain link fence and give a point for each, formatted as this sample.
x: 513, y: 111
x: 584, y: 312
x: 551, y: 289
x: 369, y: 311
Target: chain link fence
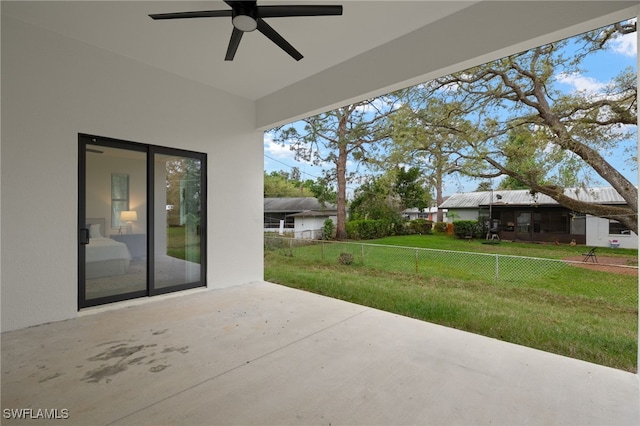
x: 611, y: 282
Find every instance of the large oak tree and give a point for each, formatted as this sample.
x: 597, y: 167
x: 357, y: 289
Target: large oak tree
x: 528, y: 130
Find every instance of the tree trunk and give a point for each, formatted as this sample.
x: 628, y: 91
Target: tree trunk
x: 341, y: 168
x: 440, y: 214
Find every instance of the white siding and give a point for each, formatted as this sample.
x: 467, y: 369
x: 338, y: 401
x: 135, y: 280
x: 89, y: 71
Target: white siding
x: 309, y: 227
x: 598, y: 235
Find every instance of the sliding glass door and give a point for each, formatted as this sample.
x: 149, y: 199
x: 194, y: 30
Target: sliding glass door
x: 141, y: 217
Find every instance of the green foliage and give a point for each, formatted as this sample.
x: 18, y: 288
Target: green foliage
x: 374, y: 200
x: 328, y: 228
x: 321, y: 190
x: 512, y: 183
x: 483, y: 186
x: 466, y: 228
x: 282, y: 184
x: 410, y: 189
x: 368, y: 229
x: 387, y: 195
x: 419, y: 226
x: 440, y: 227
x: 345, y: 259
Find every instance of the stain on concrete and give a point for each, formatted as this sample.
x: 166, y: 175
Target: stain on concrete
x: 104, y: 372
x: 182, y: 350
x: 158, y: 368
x: 127, y: 354
x: 137, y: 360
x: 53, y: 376
x: 117, y: 351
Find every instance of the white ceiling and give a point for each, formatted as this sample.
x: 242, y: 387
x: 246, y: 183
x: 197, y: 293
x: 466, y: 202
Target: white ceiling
x: 374, y: 45
x: 195, y: 48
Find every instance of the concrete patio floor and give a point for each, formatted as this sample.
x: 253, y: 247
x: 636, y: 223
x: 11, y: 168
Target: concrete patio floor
x: 266, y: 354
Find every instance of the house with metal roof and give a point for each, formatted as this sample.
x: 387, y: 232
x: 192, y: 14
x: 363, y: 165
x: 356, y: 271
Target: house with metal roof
x: 519, y: 215
x: 302, y: 216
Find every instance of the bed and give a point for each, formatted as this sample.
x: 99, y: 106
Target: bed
x: 104, y: 257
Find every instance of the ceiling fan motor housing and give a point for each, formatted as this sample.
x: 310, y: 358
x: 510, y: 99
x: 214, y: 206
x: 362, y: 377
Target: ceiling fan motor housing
x: 244, y: 17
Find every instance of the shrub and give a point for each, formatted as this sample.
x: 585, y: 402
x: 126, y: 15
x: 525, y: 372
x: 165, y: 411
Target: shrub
x: 369, y: 229
x: 328, y: 229
x: 345, y: 259
x: 464, y: 228
x: 419, y: 226
x: 440, y: 227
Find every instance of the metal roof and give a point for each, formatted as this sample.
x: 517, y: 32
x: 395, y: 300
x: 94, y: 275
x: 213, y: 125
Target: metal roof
x: 295, y: 205
x: 523, y: 197
x: 314, y: 213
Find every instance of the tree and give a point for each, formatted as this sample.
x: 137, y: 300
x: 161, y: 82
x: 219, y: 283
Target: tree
x: 427, y: 132
x: 484, y: 186
x: 568, y: 132
x: 280, y: 184
x: 321, y: 190
x: 349, y: 133
x: 410, y: 188
x: 385, y: 196
x: 375, y: 200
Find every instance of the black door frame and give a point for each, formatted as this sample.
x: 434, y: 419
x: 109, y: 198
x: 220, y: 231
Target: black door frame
x: 151, y: 151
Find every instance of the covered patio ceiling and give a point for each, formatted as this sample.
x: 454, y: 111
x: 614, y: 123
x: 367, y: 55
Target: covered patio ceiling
x: 373, y: 48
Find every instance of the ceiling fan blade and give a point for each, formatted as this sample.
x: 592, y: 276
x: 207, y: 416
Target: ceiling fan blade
x: 273, y: 35
x: 244, y: 3
x: 236, y: 36
x: 186, y: 15
x: 302, y: 10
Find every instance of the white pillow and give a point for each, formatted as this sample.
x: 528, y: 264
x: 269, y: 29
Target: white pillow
x: 94, y: 231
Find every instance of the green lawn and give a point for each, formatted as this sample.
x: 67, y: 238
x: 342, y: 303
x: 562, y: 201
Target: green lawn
x: 545, y: 304
x: 182, y: 246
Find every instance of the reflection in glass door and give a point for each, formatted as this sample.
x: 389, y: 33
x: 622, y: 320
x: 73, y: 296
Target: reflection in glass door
x: 178, y: 245
x: 114, y: 243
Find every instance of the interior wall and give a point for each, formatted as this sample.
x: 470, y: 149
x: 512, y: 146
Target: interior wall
x: 55, y: 88
x: 99, y: 170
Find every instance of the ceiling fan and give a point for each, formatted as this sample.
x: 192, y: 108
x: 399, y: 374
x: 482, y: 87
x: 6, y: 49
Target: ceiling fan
x: 247, y: 16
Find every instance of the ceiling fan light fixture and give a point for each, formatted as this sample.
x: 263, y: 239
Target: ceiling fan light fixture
x: 244, y: 23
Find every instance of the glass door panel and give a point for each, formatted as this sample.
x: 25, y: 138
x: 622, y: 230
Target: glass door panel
x: 178, y: 218
x: 115, y: 220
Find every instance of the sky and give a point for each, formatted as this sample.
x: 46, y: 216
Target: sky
x: 598, y: 70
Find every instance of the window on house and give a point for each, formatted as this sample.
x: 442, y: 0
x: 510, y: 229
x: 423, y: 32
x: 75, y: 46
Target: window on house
x: 617, y: 228
x: 119, y: 197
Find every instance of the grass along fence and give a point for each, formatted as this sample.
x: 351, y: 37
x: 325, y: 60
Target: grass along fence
x: 568, y: 307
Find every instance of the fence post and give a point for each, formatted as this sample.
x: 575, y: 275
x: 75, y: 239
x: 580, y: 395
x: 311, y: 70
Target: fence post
x: 322, y: 249
x: 416, y: 261
x: 362, y: 253
x: 497, y: 267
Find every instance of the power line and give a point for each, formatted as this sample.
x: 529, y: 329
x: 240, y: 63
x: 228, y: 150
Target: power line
x: 291, y: 167
x: 302, y: 172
